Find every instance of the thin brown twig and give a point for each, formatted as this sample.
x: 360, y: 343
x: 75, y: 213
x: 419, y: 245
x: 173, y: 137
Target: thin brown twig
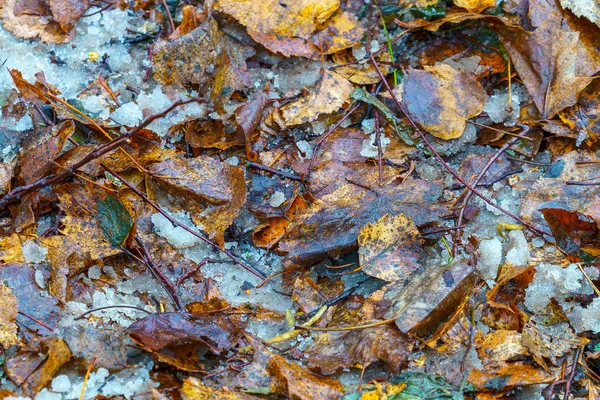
x: 441, y: 159
x: 37, y: 321
x: 274, y: 171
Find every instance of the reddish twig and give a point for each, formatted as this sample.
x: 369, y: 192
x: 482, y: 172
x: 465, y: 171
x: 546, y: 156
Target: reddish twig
x: 467, y: 195
x: 37, y: 321
x: 441, y: 160
x: 274, y: 171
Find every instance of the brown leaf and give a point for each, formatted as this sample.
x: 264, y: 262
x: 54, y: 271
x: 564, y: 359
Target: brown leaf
x: 9, y: 306
x: 572, y: 230
x: 182, y: 341
x: 331, y: 93
x: 31, y: 26
x: 441, y: 99
x: 293, y: 382
x: 40, y: 149
x: 211, y: 133
x: 430, y: 297
x: 216, y: 186
x: 34, y: 369
x: 390, y: 248
x: 194, y: 389
x: 360, y: 73
x: 498, y: 347
x: 588, y: 9
x: 270, y: 231
x: 68, y: 12
x: 332, y: 351
x: 549, y: 343
x: 337, y: 218
x: 547, y: 62
x: 508, y: 377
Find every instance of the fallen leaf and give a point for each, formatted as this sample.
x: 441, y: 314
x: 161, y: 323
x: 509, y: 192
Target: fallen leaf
x: 31, y: 26
x: 549, y: 343
x: 295, y: 18
x: 547, y: 63
x: 500, y: 346
x: 572, y: 230
x: 194, y: 389
x: 360, y: 73
x: 115, y: 220
x: 331, y: 93
x: 420, y: 385
x: 293, y: 382
x: 441, y: 99
x: 420, y: 311
x: 336, y: 218
x: 390, y: 248
x: 589, y: 9
x: 68, y: 12
x: 510, y: 376
x: 334, y: 350
x: 182, y: 341
x: 8, y: 328
x: 475, y: 6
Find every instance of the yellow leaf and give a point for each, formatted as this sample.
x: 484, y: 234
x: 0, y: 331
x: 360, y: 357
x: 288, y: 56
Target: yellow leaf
x: 390, y: 248
x: 475, y: 5
x: 292, y: 18
x: 8, y: 328
x: 329, y: 96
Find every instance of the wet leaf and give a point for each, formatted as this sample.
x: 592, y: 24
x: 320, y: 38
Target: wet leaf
x: 549, y: 343
x: 331, y: 93
x: 194, y: 389
x: 115, y: 220
x: 419, y: 311
x: 181, y: 341
x: 589, y: 9
x: 296, y: 18
x: 390, y: 248
x: 8, y: 328
x: 68, y: 12
x: 331, y: 351
x: 32, y: 26
x: 573, y: 231
x: 508, y: 377
x: 420, y: 385
x: 499, y: 346
x: 337, y: 217
x: 217, y: 187
x: 441, y: 99
x: 293, y: 382
x: 547, y: 62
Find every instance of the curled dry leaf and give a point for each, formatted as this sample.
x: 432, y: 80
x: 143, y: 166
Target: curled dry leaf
x: 31, y: 26
x: 329, y: 95
x: 390, y: 248
x: 9, y: 306
x: 441, y: 99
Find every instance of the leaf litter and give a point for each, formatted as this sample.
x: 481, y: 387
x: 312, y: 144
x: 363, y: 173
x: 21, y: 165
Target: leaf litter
x: 299, y: 199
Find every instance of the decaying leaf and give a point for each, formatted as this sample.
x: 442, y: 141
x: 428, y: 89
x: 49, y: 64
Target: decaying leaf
x: 441, y: 99
x: 360, y: 73
x: 115, y: 220
x: 510, y: 376
x: 337, y: 217
x: 499, y: 346
x: 331, y: 93
x: 293, y: 382
x: 390, y: 248
x: 31, y: 26
x: 194, y: 389
x: 430, y: 297
x: 217, y: 187
x: 547, y: 61
x: 589, y: 9
x: 181, y: 341
x: 573, y: 231
x: 332, y: 351
x: 549, y: 343
x: 9, y: 306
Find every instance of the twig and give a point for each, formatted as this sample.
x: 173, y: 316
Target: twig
x: 173, y: 221
x: 484, y: 170
x: 572, y: 374
x: 274, y: 171
x: 37, y: 321
x: 442, y: 161
x: 166, y: 283
x: 109, y: 307
x: 85, y: 379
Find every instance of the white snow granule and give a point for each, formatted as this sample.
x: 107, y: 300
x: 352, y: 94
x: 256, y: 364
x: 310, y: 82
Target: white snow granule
x: 129, y: 114
x: 175, y: 235
x: 33, y: 252
x: 519, y: 251
x: 491, y: 257
x: 277, y: 199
